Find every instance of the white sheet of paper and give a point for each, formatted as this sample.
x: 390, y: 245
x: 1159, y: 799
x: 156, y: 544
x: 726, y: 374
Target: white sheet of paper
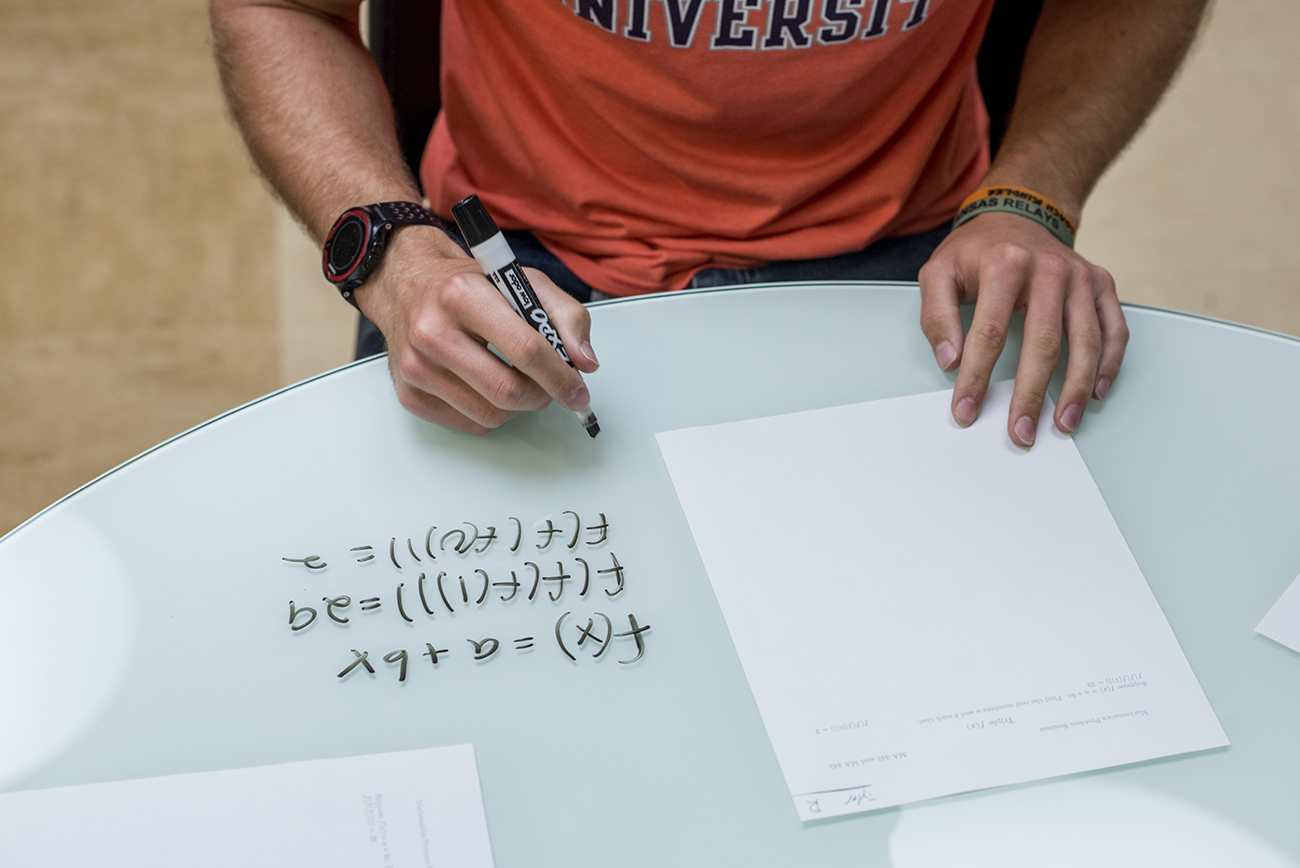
x: 1282, y: 623
x: 923, y: 610
x: 413, y: 808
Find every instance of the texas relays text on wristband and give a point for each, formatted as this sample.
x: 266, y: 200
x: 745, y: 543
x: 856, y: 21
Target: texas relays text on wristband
x: 1022, y: 201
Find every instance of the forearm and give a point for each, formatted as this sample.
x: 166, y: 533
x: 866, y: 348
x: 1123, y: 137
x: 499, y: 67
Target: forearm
x: 317, y: 118
x: 1093, y: 71
x: 311, y: 105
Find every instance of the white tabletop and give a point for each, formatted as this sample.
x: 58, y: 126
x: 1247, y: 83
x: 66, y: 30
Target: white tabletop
x: 144, y: 620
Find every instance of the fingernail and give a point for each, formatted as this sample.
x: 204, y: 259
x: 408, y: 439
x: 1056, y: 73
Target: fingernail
x: 1071, y: 417
x: 945, y: 354
x: 1025, y: 431
x: 1103, y: 386
x: 967, y: 410
x: 579, y: 399
x: 586, y: 350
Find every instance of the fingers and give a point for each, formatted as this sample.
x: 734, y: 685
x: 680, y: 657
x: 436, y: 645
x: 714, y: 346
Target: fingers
x: 1041, y: 349
x: 1084, y: 332
x: 1093, y: 321
x: 570, y: 318
x: 531, y: 354
x: 419, y: 401
x: 1002, y: 279
x: 940, y: 316
x: 462, y: 373
x: 479, y: 315
x: 1008, y: 265
x: 438, y: 313
x: 1114, y: 337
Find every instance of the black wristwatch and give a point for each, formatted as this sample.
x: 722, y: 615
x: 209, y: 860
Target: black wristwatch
x: 356, y: 242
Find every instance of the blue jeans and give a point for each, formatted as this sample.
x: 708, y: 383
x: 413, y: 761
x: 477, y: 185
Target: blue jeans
x: 898, y: 258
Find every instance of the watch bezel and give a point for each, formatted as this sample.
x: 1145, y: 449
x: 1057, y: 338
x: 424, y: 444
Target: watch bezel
x: 378, y: 221
x: 364, y: 252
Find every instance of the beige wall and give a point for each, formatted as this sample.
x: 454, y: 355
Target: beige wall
x: 138, y: 288
x: 1202, y: 213
x: 150, y: 281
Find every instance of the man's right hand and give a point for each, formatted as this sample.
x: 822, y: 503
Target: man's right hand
x: 438, y: 312
x: 314, y: 111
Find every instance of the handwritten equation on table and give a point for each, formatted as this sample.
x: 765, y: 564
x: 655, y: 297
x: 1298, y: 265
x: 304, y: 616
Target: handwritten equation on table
x: 463, y: 568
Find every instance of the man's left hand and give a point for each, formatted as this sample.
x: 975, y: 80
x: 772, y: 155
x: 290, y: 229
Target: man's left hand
x: 1006, y: 264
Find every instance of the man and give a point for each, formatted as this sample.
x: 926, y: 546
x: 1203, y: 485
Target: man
x: 644, y: 143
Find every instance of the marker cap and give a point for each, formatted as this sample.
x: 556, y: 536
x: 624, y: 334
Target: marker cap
x: 475, y: 223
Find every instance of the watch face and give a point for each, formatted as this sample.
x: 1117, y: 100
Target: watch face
x: 346, y: 245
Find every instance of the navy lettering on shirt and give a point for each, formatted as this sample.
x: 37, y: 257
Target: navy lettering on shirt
x: 749, y: 24
x: 599, y: 12
x: 638, y: 20
x: 731, y: 32
x: 842, y: 22
x: 879, y: 24
x: 919, y: 8
x: 786, y: 23
x: 683, y: 19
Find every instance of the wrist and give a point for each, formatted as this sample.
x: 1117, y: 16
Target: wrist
x: 1021, y: 202
x: 414, y: 256
x: 1046, y: 183
x: 410, y: 252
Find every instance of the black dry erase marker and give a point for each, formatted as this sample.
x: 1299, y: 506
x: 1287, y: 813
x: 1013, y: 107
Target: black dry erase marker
x: 498, y: 262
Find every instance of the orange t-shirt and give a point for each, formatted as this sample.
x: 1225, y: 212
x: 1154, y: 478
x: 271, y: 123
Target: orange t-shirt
x: 643, y: 140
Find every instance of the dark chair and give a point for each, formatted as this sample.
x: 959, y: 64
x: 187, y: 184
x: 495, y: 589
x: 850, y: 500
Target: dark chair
x: 1000, y: 57
x: 405, y: 40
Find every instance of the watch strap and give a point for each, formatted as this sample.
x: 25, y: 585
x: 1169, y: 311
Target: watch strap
x: 406, y: 214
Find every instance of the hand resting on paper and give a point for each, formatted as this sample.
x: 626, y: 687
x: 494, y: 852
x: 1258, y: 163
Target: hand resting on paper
x: 1006, y: 264
x: 1092, y: 72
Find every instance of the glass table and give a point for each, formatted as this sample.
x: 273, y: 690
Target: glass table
x: 221, y: 600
